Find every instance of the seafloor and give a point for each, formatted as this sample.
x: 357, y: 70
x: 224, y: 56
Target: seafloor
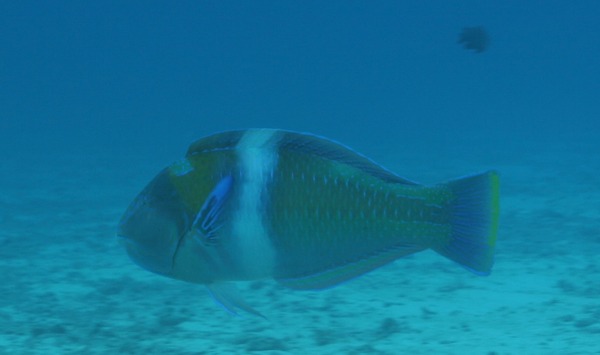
x: 67, y: 287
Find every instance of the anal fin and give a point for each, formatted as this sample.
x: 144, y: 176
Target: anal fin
x: 338, y: 274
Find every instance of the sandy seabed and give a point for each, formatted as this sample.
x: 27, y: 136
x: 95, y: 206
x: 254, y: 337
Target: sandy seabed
x: 68, y: 287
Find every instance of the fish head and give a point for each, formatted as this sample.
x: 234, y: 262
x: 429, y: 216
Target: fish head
x: 161, y: 229
x: 153, y: 225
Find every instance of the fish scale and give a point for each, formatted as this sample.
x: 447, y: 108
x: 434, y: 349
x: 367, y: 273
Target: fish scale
x: 340, y: 239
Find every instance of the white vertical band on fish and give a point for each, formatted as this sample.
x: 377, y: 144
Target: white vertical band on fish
x: 257, y: 154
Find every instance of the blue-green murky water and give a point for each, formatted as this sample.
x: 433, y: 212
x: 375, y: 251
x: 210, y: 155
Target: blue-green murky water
x: 96, y: 98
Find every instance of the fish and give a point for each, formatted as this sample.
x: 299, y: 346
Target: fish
x: 303, y: 210
x: 474, y: 38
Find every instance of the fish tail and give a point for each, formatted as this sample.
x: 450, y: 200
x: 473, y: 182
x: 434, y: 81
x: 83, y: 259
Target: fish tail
x: 474, y: 215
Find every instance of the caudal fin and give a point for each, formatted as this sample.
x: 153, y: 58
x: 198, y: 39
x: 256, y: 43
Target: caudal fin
x: 475, y: 210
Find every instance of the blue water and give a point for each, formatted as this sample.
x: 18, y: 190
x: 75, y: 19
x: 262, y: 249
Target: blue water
x: 97, y: 97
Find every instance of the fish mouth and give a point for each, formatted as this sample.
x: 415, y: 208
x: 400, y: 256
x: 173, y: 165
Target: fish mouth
x: 126, y: 242
x: 159, y: 263
x: 123, y: 239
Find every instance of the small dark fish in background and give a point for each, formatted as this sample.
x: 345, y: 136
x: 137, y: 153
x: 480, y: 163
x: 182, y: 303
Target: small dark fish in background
x: 474, y: 38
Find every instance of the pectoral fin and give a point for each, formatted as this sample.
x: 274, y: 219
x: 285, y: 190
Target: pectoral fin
x: 227, y: 295
x: 206, y: 223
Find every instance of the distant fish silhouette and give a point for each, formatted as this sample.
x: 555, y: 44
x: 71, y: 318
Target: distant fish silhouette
x: 474, y: 38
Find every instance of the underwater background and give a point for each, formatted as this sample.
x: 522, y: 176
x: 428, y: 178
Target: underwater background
x: 97, y: 97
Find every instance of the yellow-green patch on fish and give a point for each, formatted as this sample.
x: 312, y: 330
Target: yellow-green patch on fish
x: 303, y: 210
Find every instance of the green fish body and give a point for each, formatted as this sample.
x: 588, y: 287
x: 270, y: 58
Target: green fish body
x: 306, y: 211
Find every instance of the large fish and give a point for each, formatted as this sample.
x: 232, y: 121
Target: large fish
x: 304, y: 210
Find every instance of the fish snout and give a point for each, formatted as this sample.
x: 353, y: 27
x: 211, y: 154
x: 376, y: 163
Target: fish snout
x: 152, y: 226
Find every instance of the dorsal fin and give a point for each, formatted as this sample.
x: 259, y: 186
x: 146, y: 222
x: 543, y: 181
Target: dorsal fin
x: 215, y: 142
x: 326, y: 148
x: 305, y: 143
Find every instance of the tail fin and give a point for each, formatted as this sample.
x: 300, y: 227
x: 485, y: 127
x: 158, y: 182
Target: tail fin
x: 475, y: 209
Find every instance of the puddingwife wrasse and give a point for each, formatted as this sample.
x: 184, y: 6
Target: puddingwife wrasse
x: 303, y: 210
